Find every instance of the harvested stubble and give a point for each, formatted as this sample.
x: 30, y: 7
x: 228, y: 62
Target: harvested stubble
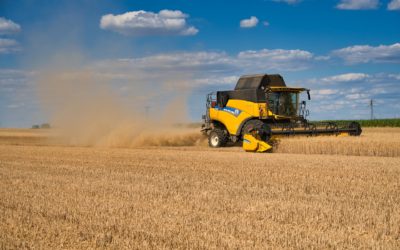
x: 193, y: 197
x: 24, y: 136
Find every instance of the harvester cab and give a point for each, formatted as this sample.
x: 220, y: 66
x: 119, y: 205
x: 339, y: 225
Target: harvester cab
x: 284, y: 104
x: 263, y: 103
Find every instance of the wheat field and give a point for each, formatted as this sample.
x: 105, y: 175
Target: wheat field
x: 373, y: 142
x: 55, y: 196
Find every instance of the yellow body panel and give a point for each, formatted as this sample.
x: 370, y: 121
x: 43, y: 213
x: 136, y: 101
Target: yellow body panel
x: 252, y: 108
x: 252, y: 144
x: 236, y: 112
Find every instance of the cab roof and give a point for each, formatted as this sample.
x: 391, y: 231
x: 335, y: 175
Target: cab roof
x: 260, y: 81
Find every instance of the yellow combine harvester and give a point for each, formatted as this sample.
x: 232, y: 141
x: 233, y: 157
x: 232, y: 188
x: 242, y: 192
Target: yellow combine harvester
x: 260, y: 108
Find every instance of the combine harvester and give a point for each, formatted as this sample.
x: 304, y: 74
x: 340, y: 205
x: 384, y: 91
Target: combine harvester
x: 260, y: 109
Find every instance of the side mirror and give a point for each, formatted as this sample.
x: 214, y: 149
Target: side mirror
x: 308, y: 94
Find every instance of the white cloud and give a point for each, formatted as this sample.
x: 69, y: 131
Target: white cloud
x: 249, y: 23
x: 276, y: 54
x: 11, y: 78
x: 202, y: 67
x: 288, y: 1
x: 394, y: 5
x: 348, y: 95
x: 204, y: 62
x: 358, y: 4
x: 276, y: 59
x: 16, y: 105
x: 8, y: 46
x: 366, y: 53
x: 198, y: 69
x: 326, y: 91
x: 8, y: 27
x: 349, y: 77
x: 356, y: 96
x: 322, y: 58
x: 165, y: 22
x: 218, y: 80
x: 187, y: 61
x: 395, y: 76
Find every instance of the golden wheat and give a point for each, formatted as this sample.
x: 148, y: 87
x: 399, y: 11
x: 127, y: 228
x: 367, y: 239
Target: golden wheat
x: 55, y: 197
x: 373, y: 142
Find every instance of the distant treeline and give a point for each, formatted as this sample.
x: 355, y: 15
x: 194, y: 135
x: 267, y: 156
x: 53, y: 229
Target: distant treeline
x: 395, y: 122
x: 44, y: 125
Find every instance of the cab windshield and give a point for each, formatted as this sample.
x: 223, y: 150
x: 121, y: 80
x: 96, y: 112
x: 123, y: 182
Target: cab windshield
x: 283, y: 103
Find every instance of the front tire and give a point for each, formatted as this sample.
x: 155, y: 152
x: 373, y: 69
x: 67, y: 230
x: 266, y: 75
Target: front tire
x: 263, y: 129
x: 356, y: 129
x: 217, y: 138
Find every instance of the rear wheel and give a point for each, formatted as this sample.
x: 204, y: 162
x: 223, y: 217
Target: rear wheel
x: 217, y: 138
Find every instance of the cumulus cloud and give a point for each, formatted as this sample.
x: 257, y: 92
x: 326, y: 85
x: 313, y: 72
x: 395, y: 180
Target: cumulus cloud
x: 8, y: 46
x: 288, y: 1
x: 358, y: 4
x: 13, y: 81
x: 277, y: 59
x: 249, y: 23
x: 205, y: 62
x: 349, y: 77
x: 13, y: 78
x: 8, y: 27
x: 203, y: 67
x: 326, y: 91
x: 365, y: 54
x: 17, y: 97
x: 185, y: 59
x: 276, y: 54
x: 394, y: 5
x: 217, y: 80
x: 348, y: 95
x: 322, y: 58
x: 182, y: 61
x: 165, y: 22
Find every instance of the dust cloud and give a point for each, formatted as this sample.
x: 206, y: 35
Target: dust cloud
x: 86, y: 110
x: 101, y: 96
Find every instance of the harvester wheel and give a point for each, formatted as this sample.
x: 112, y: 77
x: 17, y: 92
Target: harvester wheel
x: 356, y: 129
x: 263, y: 129
x: 217, y: 138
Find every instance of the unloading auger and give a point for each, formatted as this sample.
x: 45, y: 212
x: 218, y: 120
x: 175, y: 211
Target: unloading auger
x: 262, y: 108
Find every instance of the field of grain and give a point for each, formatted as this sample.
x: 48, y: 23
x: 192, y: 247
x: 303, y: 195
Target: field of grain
x: 372, y: 142
x: 330, y: 193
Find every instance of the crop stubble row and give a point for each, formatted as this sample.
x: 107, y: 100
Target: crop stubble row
x: 193, y: 197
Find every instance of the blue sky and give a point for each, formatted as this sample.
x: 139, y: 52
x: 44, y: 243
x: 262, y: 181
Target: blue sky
x: 346, y: 51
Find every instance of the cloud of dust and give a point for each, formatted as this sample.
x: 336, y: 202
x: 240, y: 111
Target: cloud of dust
x: 87, y: 111
x: 119, y: 105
